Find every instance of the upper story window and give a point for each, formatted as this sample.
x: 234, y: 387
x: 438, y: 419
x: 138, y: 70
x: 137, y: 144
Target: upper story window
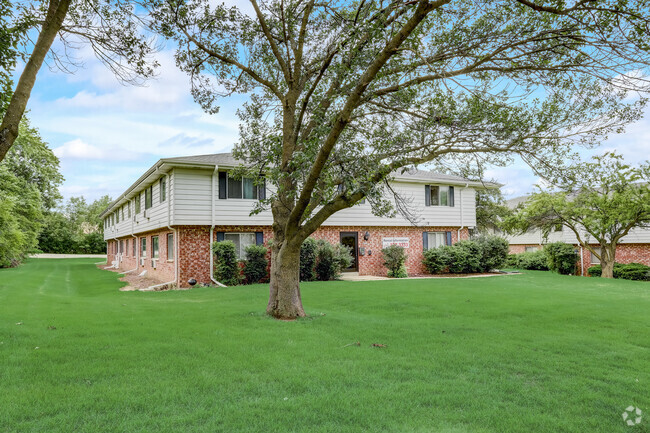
x: 117, y: 216
x: 128, y: 209
x: 439, y: 195
x: 244, y: 188
x: 148, y: 197
x: 162, y: 183
x: 137, y: 204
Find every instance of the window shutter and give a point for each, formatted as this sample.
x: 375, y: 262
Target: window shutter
x: 427, y: 195
x: 223, y: 185
x: 448, y: 238
x: 259, y: 238
x: 425, y: 241
x: 451, y: 196
x: 262, y: 191
x: 221, y: 236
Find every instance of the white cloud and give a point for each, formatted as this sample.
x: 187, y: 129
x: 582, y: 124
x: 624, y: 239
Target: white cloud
x: 78, y: 149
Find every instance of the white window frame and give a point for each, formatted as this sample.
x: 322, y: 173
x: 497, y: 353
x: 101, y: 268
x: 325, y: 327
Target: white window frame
x: 155, y: 247
x: 170, y: 247
x: 441, y: 189
x: 531, y: 249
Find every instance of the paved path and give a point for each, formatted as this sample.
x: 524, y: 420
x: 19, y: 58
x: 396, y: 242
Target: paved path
x: 69, y: 256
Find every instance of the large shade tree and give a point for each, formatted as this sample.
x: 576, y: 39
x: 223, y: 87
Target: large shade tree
x: 32, y: 31
x: 343, y: 93
x: 600, y: 202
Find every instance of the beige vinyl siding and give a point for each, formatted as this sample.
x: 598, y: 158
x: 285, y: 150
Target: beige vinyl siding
x: 636, y: 236
x: 150, y: 219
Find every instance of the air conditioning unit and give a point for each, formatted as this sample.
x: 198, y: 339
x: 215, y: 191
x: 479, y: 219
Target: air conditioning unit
x: 154, y: 263
x: 142, y: 259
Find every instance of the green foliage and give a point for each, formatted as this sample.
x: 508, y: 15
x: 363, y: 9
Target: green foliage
x: 467, y: 256
x: 598, y: 201
x: 534, y: 261
x: 491, y: 209
x: 308, y: 260
x: 561, y: 258
x: 256, y: 263
x: 30, y: 159
x: 74, y: 228
x: 394, y: 258
x: 436, y: 260
x: 494, y: 251
x: 630, y: 271
x: 20, y: 219
x: 226, y: 265
x: 330, y: 260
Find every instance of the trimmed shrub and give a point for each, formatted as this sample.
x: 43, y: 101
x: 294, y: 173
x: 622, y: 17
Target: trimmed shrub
x: 394, y: 258
x: 308, y: 260
x: 533, y: 261
x: 457, y: 259
x: 256, y: 264
x: 343, y: 256
x: 436, y: 260
x: 330, y: 260
x: 494, y: 251
x: 630, y: 271
x: 469, y: 261
x: 561, y: 258
x: 226, y: 266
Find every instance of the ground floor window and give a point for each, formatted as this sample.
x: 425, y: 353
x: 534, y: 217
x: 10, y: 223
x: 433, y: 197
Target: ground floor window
x: 154, y: 247
x: 531, y: 249
x: 595, y: 260
x: 143, y: 247
x: 170, y: 246
x: 241, y: 240
x: 121, y: 246
x: 133, y: 243
x: 436, y: 239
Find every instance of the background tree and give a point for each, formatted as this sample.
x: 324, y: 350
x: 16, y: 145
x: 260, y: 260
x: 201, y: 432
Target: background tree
x: 29, y: 186
x: 75, y: 228
x: 491, y: 209
x: 111, y: 28
x: 599, y: 201
x: 342, y: 94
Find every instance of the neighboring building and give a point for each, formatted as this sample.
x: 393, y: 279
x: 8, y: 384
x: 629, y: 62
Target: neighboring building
x: 633, y: 248
x: 166, y: 221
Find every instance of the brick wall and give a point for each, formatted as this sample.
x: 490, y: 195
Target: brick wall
x: 164, y: 270
x: 372, y: 262
x: 194, y: 249
x: 521, y: 248
x: 625, y: 253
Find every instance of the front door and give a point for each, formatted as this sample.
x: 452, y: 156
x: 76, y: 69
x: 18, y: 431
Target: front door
x: 350, y: 239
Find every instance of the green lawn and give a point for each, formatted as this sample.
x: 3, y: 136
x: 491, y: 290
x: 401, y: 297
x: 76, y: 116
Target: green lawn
x: 524, y: 353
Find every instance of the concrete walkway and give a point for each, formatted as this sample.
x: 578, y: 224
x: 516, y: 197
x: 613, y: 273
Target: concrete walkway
x: 69, y: 256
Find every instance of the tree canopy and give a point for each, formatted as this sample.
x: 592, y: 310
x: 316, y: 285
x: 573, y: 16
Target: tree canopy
x: 599, y: 201
x: 111, y: 28
x: 342, y: 94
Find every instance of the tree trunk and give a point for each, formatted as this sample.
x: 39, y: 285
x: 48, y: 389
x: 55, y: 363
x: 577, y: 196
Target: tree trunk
x: 284, y: 298
x: 607, y: 262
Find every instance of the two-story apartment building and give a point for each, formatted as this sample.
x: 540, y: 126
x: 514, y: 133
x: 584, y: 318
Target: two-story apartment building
x: 166, y: 221
x: 633, y: 248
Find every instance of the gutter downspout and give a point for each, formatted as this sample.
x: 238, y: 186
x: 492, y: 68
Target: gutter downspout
x: 137, y: 250
x: 212, y: 189
x: 462, y: 220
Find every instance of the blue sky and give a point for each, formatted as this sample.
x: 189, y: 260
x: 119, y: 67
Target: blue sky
x: 107, y: 134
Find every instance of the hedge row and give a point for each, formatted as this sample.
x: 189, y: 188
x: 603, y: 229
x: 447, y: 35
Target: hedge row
x: 465, y: 257
x: 557, y: 257
x: 232, y: 272
x: 630, y: 271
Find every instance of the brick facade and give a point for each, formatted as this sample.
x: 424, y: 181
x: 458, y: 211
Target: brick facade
x: 122, y: 250
x: 625, y: 253
x: 194, y: 249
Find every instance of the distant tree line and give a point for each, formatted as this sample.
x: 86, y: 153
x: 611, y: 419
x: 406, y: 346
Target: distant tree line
x: 32, y: 215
